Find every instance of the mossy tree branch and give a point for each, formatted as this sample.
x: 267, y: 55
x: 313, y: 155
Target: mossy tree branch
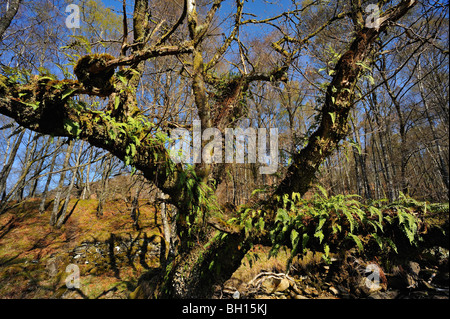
x: 48, y: 110
x: 334, y: 126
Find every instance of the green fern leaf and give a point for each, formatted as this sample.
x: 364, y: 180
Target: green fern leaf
x: 319, y: 234
x: 294, y: 238
x: 357, y: 240
x: 378, y: 239
x: 305, y: 239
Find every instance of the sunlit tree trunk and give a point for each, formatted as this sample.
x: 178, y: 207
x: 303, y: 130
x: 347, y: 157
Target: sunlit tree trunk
x: 60, y: 189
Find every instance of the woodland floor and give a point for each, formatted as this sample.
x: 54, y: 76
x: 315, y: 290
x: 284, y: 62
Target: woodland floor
x: 112, y: 255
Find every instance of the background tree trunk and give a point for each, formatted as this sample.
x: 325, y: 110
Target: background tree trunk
x: 102, y: 191
x: 11, y: 10
x: 63, y: 213
x: 7, y: 167
x: 49, y: 179
x: 60, y: 189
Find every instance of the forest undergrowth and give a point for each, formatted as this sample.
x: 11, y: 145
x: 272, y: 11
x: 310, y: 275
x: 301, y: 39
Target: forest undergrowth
x: 319, y: 247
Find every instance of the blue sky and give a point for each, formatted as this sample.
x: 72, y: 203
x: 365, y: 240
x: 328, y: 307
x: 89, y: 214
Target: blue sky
x: 261, y: 8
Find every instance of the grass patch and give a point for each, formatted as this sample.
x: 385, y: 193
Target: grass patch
x: 28, y: 244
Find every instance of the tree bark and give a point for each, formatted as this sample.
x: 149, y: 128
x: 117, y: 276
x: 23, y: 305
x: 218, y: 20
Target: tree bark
x: 11, y: 11
x: 7, y: 167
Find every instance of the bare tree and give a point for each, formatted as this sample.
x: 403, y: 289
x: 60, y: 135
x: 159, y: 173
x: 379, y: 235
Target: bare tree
x: 60, y: 189
x: 8, y: 164
x: 63, y: 214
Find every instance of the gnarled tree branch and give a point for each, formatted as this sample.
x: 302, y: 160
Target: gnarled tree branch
x: 333, y: 126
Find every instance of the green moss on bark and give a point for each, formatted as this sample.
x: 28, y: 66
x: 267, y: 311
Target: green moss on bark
x: 90, y: 70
